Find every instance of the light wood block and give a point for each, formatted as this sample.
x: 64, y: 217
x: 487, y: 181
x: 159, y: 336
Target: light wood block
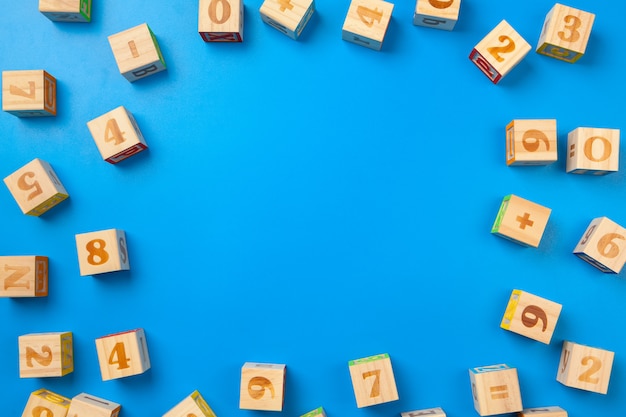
x: 46, y: 354
x: 36, y: 187
x: 220, y: 20
x: 137, y: 53
x: 287, y: 16
x: 531, y: 142
x: 29, y: 93
x: 192, y: 405
x: 123, y: 354
x: 366, y: 23
x: 262, y: 386
x: 499, y: 52
x: 46, y: 403
x: 117, y: 135
x: 565, y: 33
x: 86, y: 405
x: 585, y: 367
x: 603, y: 245
x: 315, y: 413
x: 521, y: 221
x: 102, y: 251
x: 543, y: 412
x: 23, y: 276
x: 433, y: 412
x: 373, y: 380
x: 592, y: 151
x: 531, y: 316
x: 438, y: 14
x: 495, y: 390
x: 66, y: 10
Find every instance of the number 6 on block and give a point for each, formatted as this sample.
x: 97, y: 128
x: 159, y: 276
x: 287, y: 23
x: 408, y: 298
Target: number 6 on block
x: 531, y: 316
x: 373, y: 380
x: 102, y: 251
x: 603, y: 245
x: 262, y: 386
x: 123, y: 354
x: 585, y: 367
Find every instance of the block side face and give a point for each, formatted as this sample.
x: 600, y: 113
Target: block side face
x: 373, y: 381
x: 439, y: 9
x: 524, y: 221
x: 593, y: 149
x: 534, y: 317
x: 532, y: 142
x: 496, y: 392
x: 485, y: 66
x: 26, y: 93
x: 603, y: 245
x: 102, y: 251
x: 570, y: 28
x: 289, y: 13
x: 368, y: 19
x: 220, y: 16
x: 503, y: 48
x: 23, y: 276
x: 114, y: 132
x: 584, y: 367
x: 123, y: 354
x: 431, y: 412
x: 262, y: 387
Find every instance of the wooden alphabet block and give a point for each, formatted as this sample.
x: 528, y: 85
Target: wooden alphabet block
x: 123, y: 354
x: 36, y: 187
x: 366, y: 23
x: 499, y: 52
x: 102, y: 251
x: 46, y: 403
x: 23, y: 276
x: 495, y: 390
x: 262, y: 386
x: 137, y: 52
x: 318, y: 412
x: 46, y: 354
x: 531, y: 142
x: 192, y: 405
x: 603, y: 245
x: 531, y: 316
x: 585, y: 367
x: 29, y: 93
x: 521, y: 221
x: 543, y: 412
x: 373, y: 380
x: 592, y: 151
x: 288, y: 16
x: 92, y: 406
x: 565, y: 33
x: 432, y: 412
x: 117, y: 135
x: 221, y: 20
x: 66, y: 10
x: 438, y: 14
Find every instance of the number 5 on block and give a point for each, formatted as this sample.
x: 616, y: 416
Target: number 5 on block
x: 373, y: 380
x: 123, y: 354
x: 531, y: 316
x: 102, y: 251
x: 262, y: 386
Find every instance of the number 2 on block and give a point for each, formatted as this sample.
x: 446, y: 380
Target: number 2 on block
x: 38, y: 357
x: 118, y: 356
x: 495, y: 51
x: 375, y: 392
x: 369, y: 16
x: 587, y: 376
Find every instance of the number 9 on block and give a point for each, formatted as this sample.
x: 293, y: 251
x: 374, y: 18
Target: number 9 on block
x: 262, y: 386
x: 102, y: 251
x: 531, y: 316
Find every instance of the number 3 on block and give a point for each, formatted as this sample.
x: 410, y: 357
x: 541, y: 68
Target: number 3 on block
x: 262, y: 386
x: 373, y: 380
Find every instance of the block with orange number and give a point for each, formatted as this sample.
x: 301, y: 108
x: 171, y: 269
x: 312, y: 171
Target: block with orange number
x: 438, y: 14
x: 499, y: 52
x: 46, y: 354
x: 531, y: 316
x: 565, y: 33
x: 521, y: 221
x: 318, y: 412
x: 431, y: 412
x: 366, y: 23
x: 92, y: 406
x: 262, y: 386
x: 495, y: 390
x: 603, y: 245
x: 584, y: 367
x: 137, y: 52
x: 531, y: 142
x: 117, y: 135
x: 123, y: 354
x: 46, y: 403
x: 36, y: 187
x: 372, y: 380
x: 592, y: 151
x: 29, y: 93
x: 192, y: 405
x: 543, y: 412
x: 66, y: 10
x: 220, y: 20
x: 102, y: 251
x: 23, y: 276
x: 288, y: 16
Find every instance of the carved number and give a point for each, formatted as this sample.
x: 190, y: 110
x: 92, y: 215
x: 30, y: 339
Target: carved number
x: 123, y: 250
x: 606, y: 148
x: 375, y: 392
x: 118, y: 356
x: 257, y: 386
x: 369, y: 16
x: 587, y: 376
x: 531, y: 316
x: 97, y: 252
x: 39, y: 412
x: 213, y: 11
x: 23, y: 185
x: 495, y: 51
x: 532, y: 139
x: 112, y: 132
x: 588, y: 234
x: 16, y: 91
x: 439, y: 4
x: 41, y: 359
x: 574, y: 24
x: 607, y: 247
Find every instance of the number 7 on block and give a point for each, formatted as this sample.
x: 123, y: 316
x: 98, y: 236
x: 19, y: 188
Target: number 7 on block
x: 373, y: 380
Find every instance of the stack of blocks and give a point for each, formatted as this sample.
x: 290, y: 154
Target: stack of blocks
x: 366, y: 23
x: 192, y: 405
x: 262, y: 386
x: 287, y: 16
x: 372, y: 380
x: 565, y: 33
x: 23, y: 276
x: 137, y: 52
x: 495, y: 390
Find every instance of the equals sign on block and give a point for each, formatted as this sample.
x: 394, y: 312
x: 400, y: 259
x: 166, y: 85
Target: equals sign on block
x: 499, y: 392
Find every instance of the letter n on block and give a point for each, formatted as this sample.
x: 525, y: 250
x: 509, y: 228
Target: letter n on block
x: 262, y: 386
x: 495, y: 390
x: 373, y: 380
x: 123, y: 354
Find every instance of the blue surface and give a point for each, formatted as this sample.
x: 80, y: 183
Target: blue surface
x: 311, y: 202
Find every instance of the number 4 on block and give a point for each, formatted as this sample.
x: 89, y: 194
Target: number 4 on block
x: 117, y: 135
x: 373, y: 380
x: 366, y: 23
x: 531, y: 316
x: 123, y: 354
x: 262, y: 386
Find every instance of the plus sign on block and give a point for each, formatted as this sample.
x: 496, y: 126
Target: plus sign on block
x: 521, y: 221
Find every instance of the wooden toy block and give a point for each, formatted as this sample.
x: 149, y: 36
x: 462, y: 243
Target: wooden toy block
x: 66, y: 10
x: 287, y: 16
x: 433, y: 412
x: 315, y: 413
x: 137, y: 52
x: 373, y: 380
x: 495, y: 390
x: 123, y: 354
x: 262, y: 386
x: 36, y: 187
x: 221, y: 20
x: 565, y: 33
x: 44, y: 403
x: 192, y: 405
x: 543, y: 412
x: 603, y: 245
x: 117, y: 135
x: 438, y: 14
x: 592, y: 151
x: 23, y: 276
x: 46, y: 354
x: 531, y: 316
x: 102, y: 251
x: 366, y: 23
x: 498, y: 52
x: 531, y: 142
x: 521, y: 221
x: 29, y: 93
x: 92, y: 406
x: 585, y: 367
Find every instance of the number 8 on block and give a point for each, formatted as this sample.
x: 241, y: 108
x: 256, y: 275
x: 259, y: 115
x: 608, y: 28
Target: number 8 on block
x: 373, y: 380
x: 102, y: 251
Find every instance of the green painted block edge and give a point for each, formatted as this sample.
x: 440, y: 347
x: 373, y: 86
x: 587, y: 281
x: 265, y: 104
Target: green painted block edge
x: 156, y: 45
x: 87, y: 12
x: 496, y: 225
x: 368, y: 359
x: 316, y: 412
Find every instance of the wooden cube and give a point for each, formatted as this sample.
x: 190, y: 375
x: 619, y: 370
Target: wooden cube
x: 92, y: 406
x: 102, y: 251
x: 498, y: 52
x: 262, y: 386
x: 531, y: 316
x: 221, y: 20
x: 137, y: 52
x: 585, y: 367
x: 592, y: 151
x: 603, y: 245
x: 46, y: 354
x: 366, y: 23
x: 123, y: 354
x: 23, y: 276
x: 433, y: 412
x: 565, y: 33
x: 66, y: 10
x: 495, y: 390
x: 44, y: 403
x: 117, y: 135
x: 531, y: 142
x: 372, y: 380
x: 315, y: 413
x: 192, y: 405
x: 543, y: 412
x: 287, y: 16
x: 438, y: 14
x: 521, y: 221
x: 36, y: 187
x: 29, y: 93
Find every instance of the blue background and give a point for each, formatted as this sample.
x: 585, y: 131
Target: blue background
x: 311, y: 202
